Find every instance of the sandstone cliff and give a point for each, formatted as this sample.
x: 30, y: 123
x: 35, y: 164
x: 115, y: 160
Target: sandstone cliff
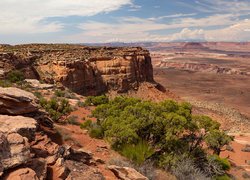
x: 85, y: 70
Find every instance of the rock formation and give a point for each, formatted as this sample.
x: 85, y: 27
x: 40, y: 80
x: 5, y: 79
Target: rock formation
x: 85, y: 70
x: 15, y: 101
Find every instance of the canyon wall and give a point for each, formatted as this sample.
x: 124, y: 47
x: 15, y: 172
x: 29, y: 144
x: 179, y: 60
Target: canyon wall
x: 85, y: 70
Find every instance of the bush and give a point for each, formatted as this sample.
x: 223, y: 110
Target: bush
x: 96, y: 100
x: 73, y: 120
x: 168, y: 126
x: 186, y: 170
x: 15, y: 76
x: 56, y: 107
x: 81, y: 104
x: 96, y: 132
x: 222, y: 162
x: 87, y: 124
x: 59, y: 93
x: 138, y: 153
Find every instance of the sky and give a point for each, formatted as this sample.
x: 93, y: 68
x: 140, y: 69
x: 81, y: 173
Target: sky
x: 102, y: 21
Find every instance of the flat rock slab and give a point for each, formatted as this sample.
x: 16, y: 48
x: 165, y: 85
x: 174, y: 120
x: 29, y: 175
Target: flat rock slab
x: 24, y: 126
x: 36, y: 84
x: 14, y: 101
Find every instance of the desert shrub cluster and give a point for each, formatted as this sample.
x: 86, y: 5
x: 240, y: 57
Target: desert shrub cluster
x: 96, y: 100
x: 165, y: 133
x: 56, y: 107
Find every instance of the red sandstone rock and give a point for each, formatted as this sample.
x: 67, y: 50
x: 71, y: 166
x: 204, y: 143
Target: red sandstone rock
x: 85, y: 70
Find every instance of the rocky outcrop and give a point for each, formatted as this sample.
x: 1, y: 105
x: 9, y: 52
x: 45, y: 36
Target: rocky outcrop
x: 85, y: 70
x: 24, y: 126
x: 14, y: 150
x: 14, y: 101
x: 126, y: 173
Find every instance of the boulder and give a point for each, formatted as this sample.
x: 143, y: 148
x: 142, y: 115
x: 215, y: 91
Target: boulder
x: 22, y: 174
x: 24, y: 126
x: 14, y: 101
x: 126, y: 173
x: 79, y: 155
x: 14, y: 150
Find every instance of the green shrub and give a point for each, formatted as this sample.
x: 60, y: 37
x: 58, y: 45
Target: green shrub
x: 73, y: 120
x: 96, y: 100
x: 138, y: 153
x: 81, y: 104
x: 222, y: 162
x: 168, y: 126
x: 15, y: 76
x: 87, y: 124
x: 59, y: 93
x: 56, y: 107
x: 96, y: 132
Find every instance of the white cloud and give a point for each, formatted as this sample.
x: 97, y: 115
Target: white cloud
x: 220, y: 6
x: 173, y: 16
x: 26, y: 16
x: 132, y: 29
x: 129, y: 29
x: 188, y: 35
x: 236, y: 32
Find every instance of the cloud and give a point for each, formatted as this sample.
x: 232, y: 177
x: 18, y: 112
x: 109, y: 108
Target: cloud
x: 129, y: 29
x: 188, y: 35
x: 28, y: 15
x: 236, y: 32
x: 172, y: 16
x: 220, y: 6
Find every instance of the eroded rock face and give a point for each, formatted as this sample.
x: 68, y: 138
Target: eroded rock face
x: 24, y: 126
x: 14, y: 150
x: 85, y: 70
x: 14, y: 101
x: 126, y: 173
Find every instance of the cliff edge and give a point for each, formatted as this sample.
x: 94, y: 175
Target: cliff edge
x: 83, y: 69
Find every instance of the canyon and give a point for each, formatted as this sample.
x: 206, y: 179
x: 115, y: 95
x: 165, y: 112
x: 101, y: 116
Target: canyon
x: 84, y: 70
x: 213, y: 77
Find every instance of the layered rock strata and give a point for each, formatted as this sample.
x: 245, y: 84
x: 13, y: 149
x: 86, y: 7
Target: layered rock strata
x: 85, y: 70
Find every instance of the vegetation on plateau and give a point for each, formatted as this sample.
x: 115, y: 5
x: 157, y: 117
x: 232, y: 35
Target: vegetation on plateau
x: 165, y: 133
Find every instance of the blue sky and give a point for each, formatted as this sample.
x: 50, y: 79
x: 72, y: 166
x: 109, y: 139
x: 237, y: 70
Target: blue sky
x: 93, y: 21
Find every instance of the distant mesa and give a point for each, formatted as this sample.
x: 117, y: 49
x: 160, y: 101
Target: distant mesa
x: 194, y: 45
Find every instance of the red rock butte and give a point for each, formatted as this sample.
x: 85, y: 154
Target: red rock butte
x: 83, y: 69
